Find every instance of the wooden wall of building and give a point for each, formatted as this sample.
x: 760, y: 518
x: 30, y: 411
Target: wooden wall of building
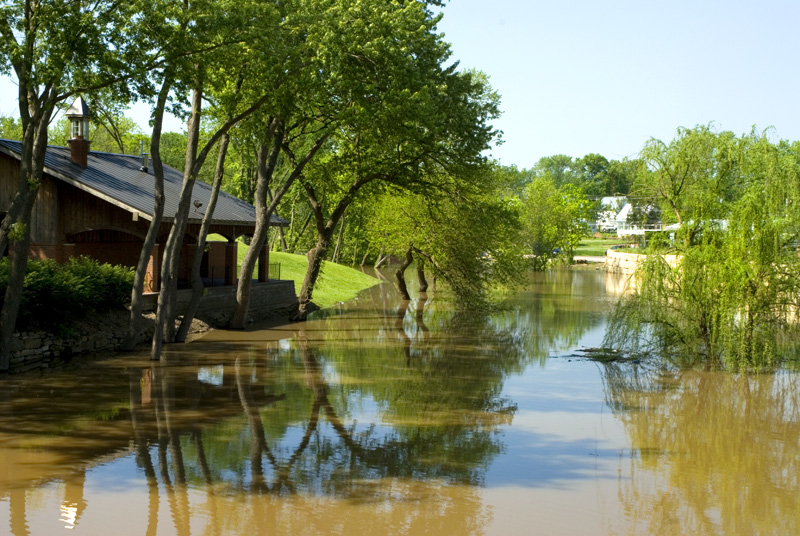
x: 9, y: 177
x: 80, y: 211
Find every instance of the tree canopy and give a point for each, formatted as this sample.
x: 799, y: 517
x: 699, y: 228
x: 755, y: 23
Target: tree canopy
x: 732, y: 297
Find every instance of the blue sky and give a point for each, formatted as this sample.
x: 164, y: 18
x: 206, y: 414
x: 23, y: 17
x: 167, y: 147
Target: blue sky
x: 581, y: 76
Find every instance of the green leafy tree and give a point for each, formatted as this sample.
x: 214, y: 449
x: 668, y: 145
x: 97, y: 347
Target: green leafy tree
x: 558, y: 168
x: 732, y: 297
x: 410, y: 121
x: 552, y: 219
x: 591, y: 174
x: 470, y: 241
x: 237, y: 90
x: 692, y: 178
x: 10, y: 128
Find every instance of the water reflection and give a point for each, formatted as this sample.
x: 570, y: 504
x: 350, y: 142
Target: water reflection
x: 715, y: 453
x: 396, y: 417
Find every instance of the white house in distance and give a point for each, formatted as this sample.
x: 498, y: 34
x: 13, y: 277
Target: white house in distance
x: 610, y: 207
x: 613, y: 216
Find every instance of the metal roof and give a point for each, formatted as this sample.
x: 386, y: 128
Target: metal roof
x: 117, y: 179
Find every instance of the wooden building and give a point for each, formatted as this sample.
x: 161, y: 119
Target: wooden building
x: 101, y: 204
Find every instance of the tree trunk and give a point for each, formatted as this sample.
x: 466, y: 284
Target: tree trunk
x: 423, y: 283
x: 19, y: 218
x: 282, y: 238
x: 134, y: 326
x: 400, y: 274
x: 248, y: 264
x: 381, y: 258
x: 165, y: 315
x: 299, y: 235
x: 338, y: 247
x: 197, y: 281
x: 315, y: 257
x: 324, y: 233
x: 267, y: 159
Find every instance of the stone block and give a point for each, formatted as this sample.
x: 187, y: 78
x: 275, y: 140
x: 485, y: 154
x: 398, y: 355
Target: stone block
x: 33, y: 342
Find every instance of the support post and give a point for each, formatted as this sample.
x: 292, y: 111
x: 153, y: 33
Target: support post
x: 263, y: 264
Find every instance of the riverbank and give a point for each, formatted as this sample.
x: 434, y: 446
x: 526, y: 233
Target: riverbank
x: 337, y: 283
x: 103, y: 334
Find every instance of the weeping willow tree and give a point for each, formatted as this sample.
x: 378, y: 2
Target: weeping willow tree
x: 733, y: 296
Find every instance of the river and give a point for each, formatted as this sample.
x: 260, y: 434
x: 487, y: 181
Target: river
x: 382, y: 417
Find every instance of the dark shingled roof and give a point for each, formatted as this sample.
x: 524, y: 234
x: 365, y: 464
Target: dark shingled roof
x: 117, y: 179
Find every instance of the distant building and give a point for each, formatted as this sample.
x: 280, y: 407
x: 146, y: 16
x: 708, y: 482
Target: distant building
x: 607, y: 213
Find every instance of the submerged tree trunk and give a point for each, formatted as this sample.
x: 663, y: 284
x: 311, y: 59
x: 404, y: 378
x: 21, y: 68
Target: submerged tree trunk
x: 324, y: 233
x: 267, y: 160
x: 315, y: 257
x: 134, y: 325
x: 423, y: 283
x: 381, y: 258
x: 400, y: 274
x: 165, y: 315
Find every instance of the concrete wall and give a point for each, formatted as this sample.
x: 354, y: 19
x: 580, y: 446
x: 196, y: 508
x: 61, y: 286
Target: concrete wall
x: 626, y: 263
x: 270, y: 299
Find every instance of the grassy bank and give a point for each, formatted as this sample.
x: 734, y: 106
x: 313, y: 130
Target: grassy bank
x: 597, y: 246
x: 336, y: 283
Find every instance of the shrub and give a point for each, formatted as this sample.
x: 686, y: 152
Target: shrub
x: 56, y: 295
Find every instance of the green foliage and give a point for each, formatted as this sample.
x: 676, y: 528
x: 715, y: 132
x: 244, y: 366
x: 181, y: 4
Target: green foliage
x: 733, y: 296
x: 55, y: 295
x: 470, y: 240
x: 10, y: 128
x: 593, y: 174
x: 692, y: 178
x: 552, y: 219
x: 337, y: 283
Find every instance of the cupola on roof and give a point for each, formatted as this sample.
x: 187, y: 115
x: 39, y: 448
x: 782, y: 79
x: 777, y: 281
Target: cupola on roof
x: 78, y: 108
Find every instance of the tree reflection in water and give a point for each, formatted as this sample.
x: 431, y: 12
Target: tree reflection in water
x: 715, y: 452
x: 398, y: 407
x: 438, y: 410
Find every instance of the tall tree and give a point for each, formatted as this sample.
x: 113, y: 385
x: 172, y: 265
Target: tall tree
x: 409, y: 120
x: 691, y: 178
x: 229, y: 29
x: 471, y: 241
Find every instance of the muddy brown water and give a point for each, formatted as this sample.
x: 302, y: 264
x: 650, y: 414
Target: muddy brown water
x: 379, y: 417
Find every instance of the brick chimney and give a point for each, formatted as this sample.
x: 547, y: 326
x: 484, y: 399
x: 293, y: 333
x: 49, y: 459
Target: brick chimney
x: 78, y: 115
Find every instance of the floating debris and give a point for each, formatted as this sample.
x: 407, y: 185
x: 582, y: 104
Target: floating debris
x: 607, y: 355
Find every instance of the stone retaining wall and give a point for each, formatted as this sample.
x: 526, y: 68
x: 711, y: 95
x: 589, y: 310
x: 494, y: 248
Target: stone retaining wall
x: 42, y: 350
x: 31, y: 350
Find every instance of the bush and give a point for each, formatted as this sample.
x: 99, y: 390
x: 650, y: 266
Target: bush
x: 56, y: 295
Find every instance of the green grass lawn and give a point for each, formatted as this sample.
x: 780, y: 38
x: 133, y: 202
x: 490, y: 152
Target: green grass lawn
x: 596, y: 246
x: 336, y: 283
